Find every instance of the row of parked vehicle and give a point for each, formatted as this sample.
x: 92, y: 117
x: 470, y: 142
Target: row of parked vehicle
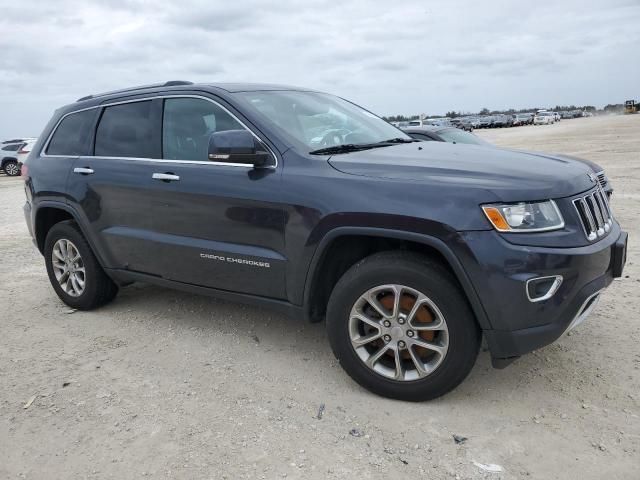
x: 13, y: 153
x: 468, y: 123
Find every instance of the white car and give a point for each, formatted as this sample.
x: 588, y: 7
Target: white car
x: 544, y: 118
x: 24, y: 152
x: 556, y: 115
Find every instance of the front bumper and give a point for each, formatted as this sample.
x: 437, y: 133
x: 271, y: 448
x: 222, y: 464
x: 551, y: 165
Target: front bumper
x: 499, y: 271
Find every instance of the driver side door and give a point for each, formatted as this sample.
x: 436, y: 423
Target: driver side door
x: 220, y: 225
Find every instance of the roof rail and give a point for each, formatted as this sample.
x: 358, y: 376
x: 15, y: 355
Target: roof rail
x: 170, y: 83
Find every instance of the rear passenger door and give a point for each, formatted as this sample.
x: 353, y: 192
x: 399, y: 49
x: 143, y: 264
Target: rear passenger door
x: 111, y: 187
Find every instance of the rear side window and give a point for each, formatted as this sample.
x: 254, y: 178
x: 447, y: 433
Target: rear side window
x: 72, y: 136
x: 12, y: 148
x: 187, y: 125
x: 128, y: 130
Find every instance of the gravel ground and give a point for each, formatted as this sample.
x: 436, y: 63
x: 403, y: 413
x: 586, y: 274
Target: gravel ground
x: 163, y: 384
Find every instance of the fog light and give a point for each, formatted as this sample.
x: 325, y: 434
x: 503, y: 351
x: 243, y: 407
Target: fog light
x: 543, y: 288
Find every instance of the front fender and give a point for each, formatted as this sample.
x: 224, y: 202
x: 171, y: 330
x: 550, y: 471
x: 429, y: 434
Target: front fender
x: 428, y: 240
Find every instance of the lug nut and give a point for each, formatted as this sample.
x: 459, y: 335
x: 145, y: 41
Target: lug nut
x: 386, y: 323
x: 387, y: 338
x: 410, y: 333
x: 401, y: 320
x: 401, y: 344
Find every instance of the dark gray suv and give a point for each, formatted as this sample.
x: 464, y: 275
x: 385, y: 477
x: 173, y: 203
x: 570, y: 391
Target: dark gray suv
x: 306, y: 203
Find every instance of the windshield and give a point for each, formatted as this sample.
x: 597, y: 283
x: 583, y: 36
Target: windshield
x: 455, y: 135
x: 318, y: 120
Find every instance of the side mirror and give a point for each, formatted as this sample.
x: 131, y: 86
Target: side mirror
x: 238, y: 146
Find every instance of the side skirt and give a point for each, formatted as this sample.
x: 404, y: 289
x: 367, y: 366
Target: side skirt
x: 125, y: 277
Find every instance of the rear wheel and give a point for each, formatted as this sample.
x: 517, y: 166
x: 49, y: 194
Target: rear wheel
x: 74, y: 272
x: 11, y: 168
x: 400, y: 327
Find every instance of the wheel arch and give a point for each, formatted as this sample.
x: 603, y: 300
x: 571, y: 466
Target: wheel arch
x: 321, y: 271
x: 5, y: 160
x: 48, y: 213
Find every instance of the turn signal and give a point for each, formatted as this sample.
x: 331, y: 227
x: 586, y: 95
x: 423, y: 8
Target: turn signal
x: 496, y: 218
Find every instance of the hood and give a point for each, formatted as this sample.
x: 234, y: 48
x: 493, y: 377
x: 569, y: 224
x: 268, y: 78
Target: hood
x: 509, y: 174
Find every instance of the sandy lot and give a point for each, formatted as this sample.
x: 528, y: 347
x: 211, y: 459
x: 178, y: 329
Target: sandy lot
x: 163, y: 384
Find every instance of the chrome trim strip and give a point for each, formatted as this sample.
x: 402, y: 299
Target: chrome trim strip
x: 162, y: 160
x: 550, y: 293
x: 599, y: 222
x: 582, y: 314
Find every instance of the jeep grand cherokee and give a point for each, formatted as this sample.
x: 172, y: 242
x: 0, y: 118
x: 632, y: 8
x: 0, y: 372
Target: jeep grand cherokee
x: 307, y: 203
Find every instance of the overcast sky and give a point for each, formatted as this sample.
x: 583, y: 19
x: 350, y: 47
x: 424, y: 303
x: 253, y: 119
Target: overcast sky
x: 392, y: 57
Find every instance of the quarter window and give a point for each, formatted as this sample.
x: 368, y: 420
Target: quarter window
x: 128, y: 130
x: 13, y: 147
x: 73, y: 135
x: 187, y: 125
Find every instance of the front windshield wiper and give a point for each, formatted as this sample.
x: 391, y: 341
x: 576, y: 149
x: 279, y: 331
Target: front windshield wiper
x: 399, y: 140
x: 348, y: 147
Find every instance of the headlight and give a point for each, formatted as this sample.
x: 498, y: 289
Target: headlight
x: 525, y: 216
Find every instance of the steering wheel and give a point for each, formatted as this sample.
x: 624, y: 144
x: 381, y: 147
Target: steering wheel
x: 334, y: 136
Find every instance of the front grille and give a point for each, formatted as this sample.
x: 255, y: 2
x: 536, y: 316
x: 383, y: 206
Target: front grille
x: 595, y: 214
x: 602, y: 179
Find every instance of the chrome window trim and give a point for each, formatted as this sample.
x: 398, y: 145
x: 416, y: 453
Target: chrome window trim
x: 159, y: 160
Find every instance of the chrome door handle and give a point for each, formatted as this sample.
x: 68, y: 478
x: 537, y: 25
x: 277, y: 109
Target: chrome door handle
x: 83, y: 170
x: 167, y: 177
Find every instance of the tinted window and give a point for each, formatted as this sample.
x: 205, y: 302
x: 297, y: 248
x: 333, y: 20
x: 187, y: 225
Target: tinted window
x: 128, y: 130
x: 187, y: 125
x: 73, y: 134
x: 12, y: 148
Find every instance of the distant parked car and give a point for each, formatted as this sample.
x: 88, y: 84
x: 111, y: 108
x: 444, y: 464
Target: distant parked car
x: 556, y: 116
x: 484, y: 122
x: 565, y: 115
x: 544, y: 118
x: 24, y: 152
x: 499, y: 121
x: 521, y: 119
x: 462, y: 123
x: 444, y: 134
x: 9, y: 157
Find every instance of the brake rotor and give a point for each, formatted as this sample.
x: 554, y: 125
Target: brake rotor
x: 423, y: 315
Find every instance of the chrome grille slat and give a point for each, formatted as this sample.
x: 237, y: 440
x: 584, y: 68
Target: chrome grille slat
x: 594, y: 213
x: 602, y: 179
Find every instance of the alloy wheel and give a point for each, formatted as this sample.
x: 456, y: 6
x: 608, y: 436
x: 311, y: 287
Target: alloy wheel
x: 398, y: 332
x: 11, y: 169
x: 68, y: 267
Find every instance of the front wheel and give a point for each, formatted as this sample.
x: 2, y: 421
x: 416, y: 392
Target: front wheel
x: 400, y: 327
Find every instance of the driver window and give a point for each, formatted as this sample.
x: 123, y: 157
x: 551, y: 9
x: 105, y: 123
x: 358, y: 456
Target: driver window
x: 187, y: 125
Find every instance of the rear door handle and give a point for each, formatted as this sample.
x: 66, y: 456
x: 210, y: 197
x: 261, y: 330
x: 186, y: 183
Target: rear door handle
x: 83, y: 170
x: 166, y: 177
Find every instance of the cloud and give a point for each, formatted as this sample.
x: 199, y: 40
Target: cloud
x: 407, y: 57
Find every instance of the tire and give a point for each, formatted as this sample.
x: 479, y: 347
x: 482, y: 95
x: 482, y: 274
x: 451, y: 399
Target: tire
x: 98, y: 289
x: 419, y: 274
x: 11, y: 168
